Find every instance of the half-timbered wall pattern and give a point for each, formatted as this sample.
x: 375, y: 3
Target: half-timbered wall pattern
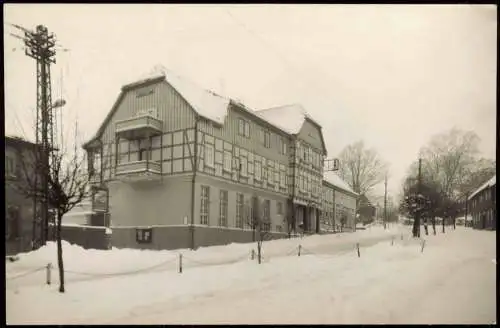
x: 247, y: 154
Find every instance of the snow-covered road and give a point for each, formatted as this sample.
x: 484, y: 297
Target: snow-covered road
x: 452, y: 281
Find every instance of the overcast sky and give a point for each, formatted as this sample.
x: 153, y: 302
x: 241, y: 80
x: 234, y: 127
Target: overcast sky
x: 390, y: 75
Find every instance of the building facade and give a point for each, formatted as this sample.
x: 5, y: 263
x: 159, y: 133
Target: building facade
x: 339, y: 204
x: 483, y: 206
x: 19, y: 209
x: 184, y: 167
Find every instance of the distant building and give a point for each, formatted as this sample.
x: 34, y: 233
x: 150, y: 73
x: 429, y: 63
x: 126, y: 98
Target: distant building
x: 19, y: 213
x: 339, y: 203
x: 366, y: 210
x: 483, y: 206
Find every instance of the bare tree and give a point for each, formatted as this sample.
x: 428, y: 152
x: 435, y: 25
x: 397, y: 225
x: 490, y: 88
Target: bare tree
x: 68, y: 186
x: 361, y: 168
x: 448, y: 157
x: 449, y: 160
x: 258, y: 218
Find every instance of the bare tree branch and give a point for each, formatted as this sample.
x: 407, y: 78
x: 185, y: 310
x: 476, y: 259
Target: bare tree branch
x: 361, y: 168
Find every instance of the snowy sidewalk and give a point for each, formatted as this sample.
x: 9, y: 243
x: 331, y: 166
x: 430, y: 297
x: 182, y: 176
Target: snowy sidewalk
x: 387, y: 284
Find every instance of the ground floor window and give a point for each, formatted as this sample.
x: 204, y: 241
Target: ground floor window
x: 223, y: 208
x: 205, y: 204
x: 239, y: 211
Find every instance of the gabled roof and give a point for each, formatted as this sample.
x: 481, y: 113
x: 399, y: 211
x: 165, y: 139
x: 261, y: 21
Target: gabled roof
x: 212, y: 106
x: 490, y: 183
x: 336, y: 181
x: 289, y: 118
x: 206, y: 103
x: 19, y: 141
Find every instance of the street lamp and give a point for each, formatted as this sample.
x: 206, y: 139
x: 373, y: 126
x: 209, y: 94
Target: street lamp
x: 58, y: 103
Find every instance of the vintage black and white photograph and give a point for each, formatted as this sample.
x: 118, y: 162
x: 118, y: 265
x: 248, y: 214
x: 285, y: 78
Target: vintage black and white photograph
x: 250, y: 163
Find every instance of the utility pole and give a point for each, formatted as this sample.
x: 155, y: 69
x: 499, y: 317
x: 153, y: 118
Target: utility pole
x: 385, y: 203
x: 40, y: 45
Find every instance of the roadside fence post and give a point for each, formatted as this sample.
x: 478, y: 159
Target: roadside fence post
x: 49, y: 269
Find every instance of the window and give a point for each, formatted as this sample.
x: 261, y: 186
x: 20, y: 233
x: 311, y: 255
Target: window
x: 243, y: 128
x: 10, y: 165
x: 279, y: 208
x: 267, y: 210
x: 205, y: 204
x: 144, y: 236
x: 276, y: 177
x: 243, y: 166
x: 282, y: 179
x: 209, y: 155
x: 227, y: 161
x: 267, y: 139
x: 239, y: 211
x: 223, y: 209
x: 282, y: 145
x: 144, y: 155
x: 258, y: 171
x: 270, y: 176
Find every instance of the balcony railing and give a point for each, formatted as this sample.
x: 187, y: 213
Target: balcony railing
x: 140, y: 170
x: 138, y: 127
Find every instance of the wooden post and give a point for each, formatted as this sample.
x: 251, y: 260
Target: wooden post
x: 253, y: 254
x: 300, y: 247
x: 49, y: 269
x: 392, y: 241
x: 423, y: 245
x: 401, y: 236
x: 357, y: 247
x: 180, y: 263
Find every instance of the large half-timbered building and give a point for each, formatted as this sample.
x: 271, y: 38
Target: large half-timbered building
x: 184, y: 166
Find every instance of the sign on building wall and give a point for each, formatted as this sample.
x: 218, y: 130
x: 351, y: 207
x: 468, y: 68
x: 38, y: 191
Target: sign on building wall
x: 144, y: 235
x: 100, y: 200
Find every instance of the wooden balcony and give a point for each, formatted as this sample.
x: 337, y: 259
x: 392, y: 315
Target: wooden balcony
x: 138, y: 127
x: 146, y: 170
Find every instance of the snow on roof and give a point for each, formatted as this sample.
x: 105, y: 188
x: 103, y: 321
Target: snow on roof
x: 205, y: 102
x: 334, y: 179
x: 491, y: 182
x: 288, y: 118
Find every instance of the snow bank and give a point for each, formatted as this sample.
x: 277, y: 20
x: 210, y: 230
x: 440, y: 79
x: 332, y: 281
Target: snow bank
x: 341, y: 289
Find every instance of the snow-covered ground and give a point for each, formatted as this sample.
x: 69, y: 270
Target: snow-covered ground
x: 452, y: 281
